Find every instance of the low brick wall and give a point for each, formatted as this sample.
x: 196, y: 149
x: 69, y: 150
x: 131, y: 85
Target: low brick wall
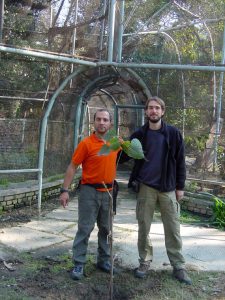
x: 198, y: 203
x: 18, y: 197
x: 13, y: 198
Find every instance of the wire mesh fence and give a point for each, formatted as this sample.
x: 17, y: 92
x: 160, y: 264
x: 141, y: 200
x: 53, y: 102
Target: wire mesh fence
x: 19, y: 145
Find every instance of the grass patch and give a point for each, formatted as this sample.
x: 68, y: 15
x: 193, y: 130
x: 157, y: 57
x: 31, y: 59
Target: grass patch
x: 55, y: 177
x: 4, y: 182
x: 189, y: 218
x: 62, y: 263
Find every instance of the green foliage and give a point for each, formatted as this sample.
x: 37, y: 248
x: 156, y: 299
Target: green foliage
x: 221, y: 160
x: 189, y: 218
x: 4, y: 182
x: 110, y: 134
x: 191, y: 186
x: 132, y: 149
x: 62, y: 263
x: 195, y: 143
x: 114, y: 143
x: 219, y: 212
x: 105, y: 150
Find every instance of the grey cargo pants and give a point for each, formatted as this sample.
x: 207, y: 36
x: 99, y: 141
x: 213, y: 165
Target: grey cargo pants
x: 92, y: 206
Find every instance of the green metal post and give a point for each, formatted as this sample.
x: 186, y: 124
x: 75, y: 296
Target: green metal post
x: 120, y: 32
x: 44, y: 127
x: 112, y: 11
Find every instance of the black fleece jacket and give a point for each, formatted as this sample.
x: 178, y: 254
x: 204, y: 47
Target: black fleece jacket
x: 174, y: 171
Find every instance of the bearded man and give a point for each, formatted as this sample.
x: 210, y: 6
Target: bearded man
x: 160, y: 179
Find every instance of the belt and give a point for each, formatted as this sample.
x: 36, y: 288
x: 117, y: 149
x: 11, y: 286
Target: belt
x: 100, y: 185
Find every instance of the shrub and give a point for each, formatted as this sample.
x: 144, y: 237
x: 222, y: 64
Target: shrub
x: 219, y: 212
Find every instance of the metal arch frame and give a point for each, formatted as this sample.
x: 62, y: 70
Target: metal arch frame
x: 86, y: 110
x: 78, y: 116
x: 44, y: 128
x: 88, y: 88
x: 80, y: 109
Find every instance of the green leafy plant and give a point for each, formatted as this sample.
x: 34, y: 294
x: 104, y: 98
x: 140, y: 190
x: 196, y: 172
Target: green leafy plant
x: 132, y: 148
x: 219, y: 212
x: 191, y: 186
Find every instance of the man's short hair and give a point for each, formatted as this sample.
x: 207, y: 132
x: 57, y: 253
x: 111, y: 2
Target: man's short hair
x: 156, y: 99
x: 101, y: 110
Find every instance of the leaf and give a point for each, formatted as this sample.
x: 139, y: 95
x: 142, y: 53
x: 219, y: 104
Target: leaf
x: 105, y: 150
x: 110, y: 134
x: 131, y: 148
x: 135, y: 150
x: 114, y: 143
x: 125, y: 146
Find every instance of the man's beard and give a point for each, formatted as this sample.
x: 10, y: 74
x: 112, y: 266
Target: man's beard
x: 154, y: 120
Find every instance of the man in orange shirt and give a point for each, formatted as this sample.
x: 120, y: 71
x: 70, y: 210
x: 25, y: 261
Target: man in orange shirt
x: 94, y: 200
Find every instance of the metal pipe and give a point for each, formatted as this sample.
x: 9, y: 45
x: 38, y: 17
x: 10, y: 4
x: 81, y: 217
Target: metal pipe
x: 120, y: 30
x: 109, y: 95
x: 44, y: 127
x: 2, y: 4
x: 111, y: 29
x: 22, y: 98
x: 46, y: 56
x: 114, y: 64
x: 163, y: 66
x: 19, y: 171
x: 74, y: 38
x: 140, y: 82
x: 219, y: 102
x: 89, y: 120
x: 102, y: 32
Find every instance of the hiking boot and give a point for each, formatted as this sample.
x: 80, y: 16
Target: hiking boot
x: 182, y: 276
x: 142, y: 270
x: 77, y: 272
x: 106, y: 267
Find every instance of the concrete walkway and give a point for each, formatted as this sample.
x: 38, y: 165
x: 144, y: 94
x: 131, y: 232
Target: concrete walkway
x: 203, y: 248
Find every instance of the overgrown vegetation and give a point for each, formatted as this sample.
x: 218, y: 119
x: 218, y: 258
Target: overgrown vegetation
x: 219, y: 213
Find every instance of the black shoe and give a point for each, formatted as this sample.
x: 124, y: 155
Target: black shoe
x: 106, y: 267
x: 182, y: 276
x: 77, y: 272
x: 142, y: 270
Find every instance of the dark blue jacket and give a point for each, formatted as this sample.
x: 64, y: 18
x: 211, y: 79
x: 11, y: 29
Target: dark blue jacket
x: 174, y: 171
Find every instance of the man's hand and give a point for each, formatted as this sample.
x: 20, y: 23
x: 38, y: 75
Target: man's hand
x: 179, y: 195
x: 120, y: 140
x: 71, y: 170
x: 64, y: 199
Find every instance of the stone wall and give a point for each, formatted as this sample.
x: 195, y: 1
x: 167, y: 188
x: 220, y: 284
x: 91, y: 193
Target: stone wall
x: 198, y: 203
x: 13, y: 198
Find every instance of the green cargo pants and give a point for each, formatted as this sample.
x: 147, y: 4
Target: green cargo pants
x: 93, y: 206
x: 170, y: 211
